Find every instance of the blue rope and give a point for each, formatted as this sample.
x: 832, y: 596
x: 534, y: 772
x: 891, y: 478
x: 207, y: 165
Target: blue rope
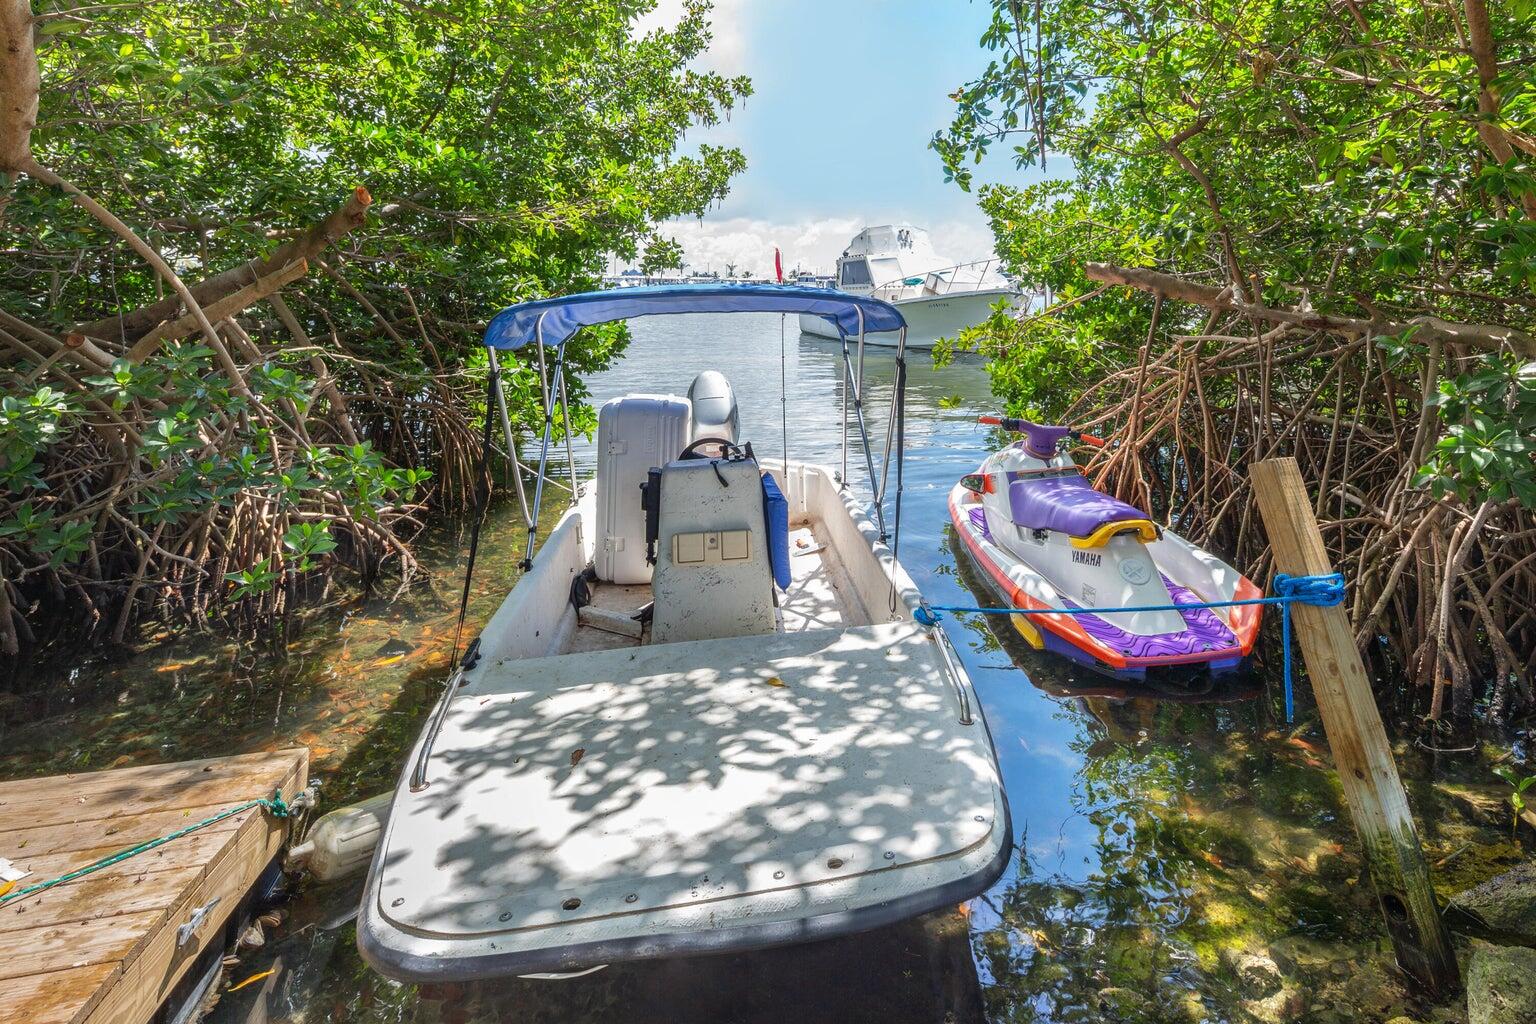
x: 1322, y: 591
x: 1319, y: 591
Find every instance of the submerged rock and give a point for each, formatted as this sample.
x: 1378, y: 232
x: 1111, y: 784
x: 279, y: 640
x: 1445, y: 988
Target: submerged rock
x: 1257, y: 974
x: 1481, y: 804
x: 1501, y: 985
x: 1502, y: 909
x: 1284, y: 1005
x: 1124, y: 1004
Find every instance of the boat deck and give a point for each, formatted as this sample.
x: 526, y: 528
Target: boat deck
x: 655, y: 800
x: 104, y: 947
x: 820, y: 596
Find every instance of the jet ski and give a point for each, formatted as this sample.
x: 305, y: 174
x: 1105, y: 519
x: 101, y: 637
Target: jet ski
x: 1044, y: 538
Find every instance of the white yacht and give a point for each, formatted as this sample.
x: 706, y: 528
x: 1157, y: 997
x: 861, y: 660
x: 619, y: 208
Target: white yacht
x: 937, y: 297
x: 707, y: 718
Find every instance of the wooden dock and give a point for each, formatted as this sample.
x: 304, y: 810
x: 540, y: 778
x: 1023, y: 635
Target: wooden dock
x: 103, y: 949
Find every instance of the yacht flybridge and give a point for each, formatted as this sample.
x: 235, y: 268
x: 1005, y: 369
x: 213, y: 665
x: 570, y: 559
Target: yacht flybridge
x: 896, y: 263
x: 705, y: 718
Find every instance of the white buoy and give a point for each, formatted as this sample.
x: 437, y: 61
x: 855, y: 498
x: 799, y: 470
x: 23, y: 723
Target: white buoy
x: 342, y: 842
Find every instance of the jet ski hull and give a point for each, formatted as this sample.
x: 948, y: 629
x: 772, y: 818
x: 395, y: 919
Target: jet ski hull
x: 1219, y: 640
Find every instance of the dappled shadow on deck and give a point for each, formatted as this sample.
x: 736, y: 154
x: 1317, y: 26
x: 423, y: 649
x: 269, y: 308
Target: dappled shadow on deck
x: 679, y: 775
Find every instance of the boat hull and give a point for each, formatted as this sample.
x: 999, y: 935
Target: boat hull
x: 928, y: 318
x: 1217, y: 640
x: 584, y: 806
x: 650, y: 846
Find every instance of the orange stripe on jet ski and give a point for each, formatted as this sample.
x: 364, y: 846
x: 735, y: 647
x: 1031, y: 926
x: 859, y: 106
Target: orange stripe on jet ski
x: 1245, y: 618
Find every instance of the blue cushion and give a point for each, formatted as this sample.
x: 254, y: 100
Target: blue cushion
x: 776, y: 515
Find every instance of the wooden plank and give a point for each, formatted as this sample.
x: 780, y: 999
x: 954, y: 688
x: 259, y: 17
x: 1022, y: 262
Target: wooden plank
x: 75, y: 798
x: 55, y: 997
x: 122, y: 830
x: 150, y: 972
x: 103, y: 948
x: 95, y: 897
x: 194, y: 849
x: 116, y: 930
x: 139, y: 775
x: 1361, y: 752
x: 70, y: 945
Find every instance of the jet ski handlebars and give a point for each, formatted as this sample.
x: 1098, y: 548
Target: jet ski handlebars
x: 1039, y: 440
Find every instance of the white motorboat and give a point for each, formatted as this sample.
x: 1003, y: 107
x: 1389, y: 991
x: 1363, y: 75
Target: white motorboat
x: 937, y: 297
x: 705, y: 719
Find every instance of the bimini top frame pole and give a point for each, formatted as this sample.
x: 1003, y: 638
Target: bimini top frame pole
x: 554, y: 321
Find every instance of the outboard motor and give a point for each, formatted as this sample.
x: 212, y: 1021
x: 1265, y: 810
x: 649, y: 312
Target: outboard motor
x: 714, y: 406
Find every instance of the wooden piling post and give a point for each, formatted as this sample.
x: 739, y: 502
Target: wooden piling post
x: 1375, y: 795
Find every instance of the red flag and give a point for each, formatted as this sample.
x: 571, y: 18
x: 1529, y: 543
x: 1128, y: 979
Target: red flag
x: 778, y: 265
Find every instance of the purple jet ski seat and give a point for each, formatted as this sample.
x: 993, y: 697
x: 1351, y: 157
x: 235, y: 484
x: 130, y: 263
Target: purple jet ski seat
x: 1065, y: 503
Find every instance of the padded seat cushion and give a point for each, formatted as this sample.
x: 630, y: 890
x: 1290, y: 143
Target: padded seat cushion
x: 1065, y: 503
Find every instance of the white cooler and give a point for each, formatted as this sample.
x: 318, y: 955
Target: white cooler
x: 634, y: 434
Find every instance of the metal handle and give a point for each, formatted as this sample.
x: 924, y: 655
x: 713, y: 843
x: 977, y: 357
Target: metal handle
x: 194, y: 920
x: 956, y: 675
x: 419, y: 770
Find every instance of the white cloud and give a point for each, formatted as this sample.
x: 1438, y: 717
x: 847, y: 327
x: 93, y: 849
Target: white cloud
x: 812, y: 245
x: 963, y: 240
x: 727, y: 51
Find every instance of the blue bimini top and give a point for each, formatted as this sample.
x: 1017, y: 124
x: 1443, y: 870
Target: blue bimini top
x: 564, y: 315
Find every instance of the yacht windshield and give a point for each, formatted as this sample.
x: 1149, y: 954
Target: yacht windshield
x: 855, y: 271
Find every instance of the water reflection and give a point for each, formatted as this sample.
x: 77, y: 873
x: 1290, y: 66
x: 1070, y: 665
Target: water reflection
x: 1181, y: 859
x: 921, y: 970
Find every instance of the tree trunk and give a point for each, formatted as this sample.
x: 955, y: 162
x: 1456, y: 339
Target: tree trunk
x: 19, y: 84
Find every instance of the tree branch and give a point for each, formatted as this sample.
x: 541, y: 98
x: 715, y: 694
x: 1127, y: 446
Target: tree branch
x: 307, y: 246
x: 1480, y: 36
x: 110, y: 220
x: 1489, y: 337
x: 218, y: 310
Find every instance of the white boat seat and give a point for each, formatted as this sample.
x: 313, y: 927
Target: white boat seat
x: 713, y: 576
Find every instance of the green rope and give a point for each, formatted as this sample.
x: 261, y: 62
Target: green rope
x: 274, y: 805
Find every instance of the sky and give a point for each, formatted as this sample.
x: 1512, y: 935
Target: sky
x: 846, y: 95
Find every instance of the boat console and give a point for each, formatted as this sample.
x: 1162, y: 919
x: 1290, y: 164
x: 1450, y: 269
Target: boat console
x: 713, y: 575
x: 693, y: 519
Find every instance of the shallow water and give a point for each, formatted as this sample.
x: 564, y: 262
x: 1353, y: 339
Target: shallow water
x: 1182, y: 857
